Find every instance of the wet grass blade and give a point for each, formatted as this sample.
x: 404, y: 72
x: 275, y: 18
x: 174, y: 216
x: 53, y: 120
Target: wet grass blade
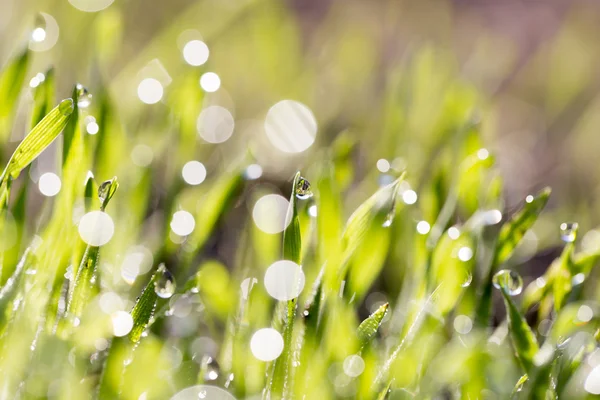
x: 38, y: 139
x: 511, y: 234
x: 513, y: 231
x: 523, y: 339
x: 292, y: 250
x: 368, y: 328
x: 144, y: 307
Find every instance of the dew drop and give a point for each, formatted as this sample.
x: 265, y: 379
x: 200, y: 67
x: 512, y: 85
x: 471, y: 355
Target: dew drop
x: 66, y: 107
x: 568, y: 231
x: 508, y: 280
x: 302, y: 189
x: 104, y: 190
x: 165, y: 285
x: 467, y: 279
x: 84, y: 97
x: 389, y: 218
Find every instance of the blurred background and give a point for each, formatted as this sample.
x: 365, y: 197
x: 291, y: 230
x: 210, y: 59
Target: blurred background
x: 189, y: 102
x: 394, y: 77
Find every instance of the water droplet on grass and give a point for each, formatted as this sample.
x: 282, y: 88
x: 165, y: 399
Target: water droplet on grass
x: 568, y: 231
x: 84, y: 97
x: 165, y: 284
x: 302, y: 189
x: 66, y: 107
x: 508, y: 280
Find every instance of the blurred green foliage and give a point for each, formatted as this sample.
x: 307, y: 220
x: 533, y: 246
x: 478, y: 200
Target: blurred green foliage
x: 401, y: 218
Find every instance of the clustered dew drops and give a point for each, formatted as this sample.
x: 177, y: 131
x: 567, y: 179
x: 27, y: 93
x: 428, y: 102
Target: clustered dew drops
x: 509, y: 281
x: 84, y: 97
x: 568, y: 231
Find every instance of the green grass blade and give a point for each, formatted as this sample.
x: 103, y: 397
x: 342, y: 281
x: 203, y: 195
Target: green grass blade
x: 213, y: 205
x: 143, y: 310
x: 368, y: 328
x: 511, y: 233
x: 513, y: 230
x: 11, y: 81
x: 523, y: 339
x: 38, y: 139
x: 292, y: 250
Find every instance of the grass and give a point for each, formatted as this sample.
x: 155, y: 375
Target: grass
x: 402, y: 287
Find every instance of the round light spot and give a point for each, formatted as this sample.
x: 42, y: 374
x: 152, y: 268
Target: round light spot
x: 150, y: 91
x: 49, y: 184
x: 266, y: 344
x: 529, y: 198
x: 195, y: 52
x: 91, y: 5
x: 210, y: 82
x: 101, y: 344
x: 194, y: 172
x: 409, y: 196
x: 465, y: 253
x: 203, y: 392
x: 215, y: 124
x: 45, y: 35
x: 423, y: 227
x: 96, y: 228
x: 383, y: 165
x: 253, y: 171
x: 592, y: 382
x: 38, y: 35
x: 284, y: 280
x: 483, y: 154
x: 353, y: 365
x: 182, y: 223
x: 313, y: 211
x: 291, y: 126
x: 92, y: 128
x: 270, y: 213
x: 463, y: 324
x: 121, y: 323
x: 453, y: 232
x: 110, y: 303
x: 585, y: 313
x: 142, y: 155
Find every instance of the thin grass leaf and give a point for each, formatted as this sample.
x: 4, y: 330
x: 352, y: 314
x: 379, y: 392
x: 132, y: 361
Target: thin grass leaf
x: 513, y: 230
x: 38, y: 139
x: 523, y: 339
x: 368, y: 328
x: 11, y: 81
x: 511, y: 234
x: 144, y: 307
x: 292, y: 250
x: 215, y: 203
x: 292, y: 243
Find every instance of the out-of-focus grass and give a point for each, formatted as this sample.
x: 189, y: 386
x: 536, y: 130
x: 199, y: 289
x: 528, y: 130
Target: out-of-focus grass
x: 396, y: 231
